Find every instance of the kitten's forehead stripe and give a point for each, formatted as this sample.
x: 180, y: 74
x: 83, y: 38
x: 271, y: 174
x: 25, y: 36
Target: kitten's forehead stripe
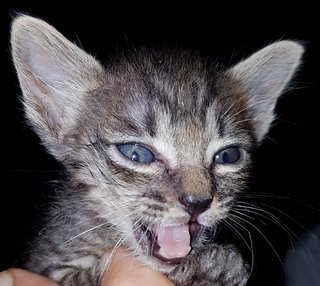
x: 150, y: 121
x: 181, y: 83
x: 179, y: 101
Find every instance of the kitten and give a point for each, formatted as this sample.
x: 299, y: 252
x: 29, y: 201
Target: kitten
x: 156, y: 145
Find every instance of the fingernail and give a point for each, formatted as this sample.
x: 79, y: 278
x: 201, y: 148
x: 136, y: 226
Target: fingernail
x: 5, y: 279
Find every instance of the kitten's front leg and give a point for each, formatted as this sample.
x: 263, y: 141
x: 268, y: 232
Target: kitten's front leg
x: 212, y: 265
x: 83, y: 270
x: 76, y: 276
x: 74, y: 263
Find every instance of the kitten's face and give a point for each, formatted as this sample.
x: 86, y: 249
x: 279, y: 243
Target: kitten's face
x: 167, y: 149
x: 159, y: 142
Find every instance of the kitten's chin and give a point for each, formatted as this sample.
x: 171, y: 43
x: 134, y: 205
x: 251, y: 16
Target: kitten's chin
x: 169, y: 244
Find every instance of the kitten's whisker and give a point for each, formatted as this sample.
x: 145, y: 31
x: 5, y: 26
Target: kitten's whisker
x: 282, y: 213
x: 248, y: 207
x: 258, y: 211
x: 117, y: 245
x: 143, y: 236
x: 108, y: 262
x: 250, y: 247
x: 233, y: 228
x: 75, y: 237
x: 289, y: 231
x: 266, y: 239
x: 81, y: 234
x: 272, y: 218
x: 84, y: 232
x: 274, y: 196
x: 252, y: 254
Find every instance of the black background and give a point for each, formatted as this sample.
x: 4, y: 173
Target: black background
x: 287, y: 162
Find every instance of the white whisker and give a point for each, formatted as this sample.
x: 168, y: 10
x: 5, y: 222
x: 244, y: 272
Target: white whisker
x: 266, y: 239
x: 250, y: 247
x: 236, y: 231
x: 117, y: 245
x: 84, y: 232
x: 108, y: 262
x: 282, y: 213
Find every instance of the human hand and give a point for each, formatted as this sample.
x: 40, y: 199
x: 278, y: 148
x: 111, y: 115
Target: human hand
x: 126, y: 271
x: 123, y: 271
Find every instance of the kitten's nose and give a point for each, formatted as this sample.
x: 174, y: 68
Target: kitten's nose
x: 194, y: 205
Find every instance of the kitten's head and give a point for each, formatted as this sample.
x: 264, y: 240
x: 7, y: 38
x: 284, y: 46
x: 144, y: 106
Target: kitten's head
x: 159, y: 141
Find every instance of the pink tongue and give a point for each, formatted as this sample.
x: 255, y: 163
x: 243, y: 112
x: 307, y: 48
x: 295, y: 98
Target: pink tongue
x: 174, y: 241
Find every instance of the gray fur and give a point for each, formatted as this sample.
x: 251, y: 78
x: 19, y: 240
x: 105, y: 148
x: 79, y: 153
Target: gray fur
x: 182, y: 107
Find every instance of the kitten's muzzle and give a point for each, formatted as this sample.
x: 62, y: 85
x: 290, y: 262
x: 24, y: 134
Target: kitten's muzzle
x: 170, y: 244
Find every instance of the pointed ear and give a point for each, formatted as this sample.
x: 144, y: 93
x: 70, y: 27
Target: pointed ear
x: 264, y: 76
x: 54, y: 74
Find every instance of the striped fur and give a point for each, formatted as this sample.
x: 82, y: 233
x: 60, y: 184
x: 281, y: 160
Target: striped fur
x: 182, y: 107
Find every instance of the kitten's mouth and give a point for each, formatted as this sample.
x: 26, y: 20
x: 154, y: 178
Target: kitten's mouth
x: 170, y: 244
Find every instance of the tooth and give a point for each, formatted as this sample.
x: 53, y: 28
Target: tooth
x: 184, y: 252
x: 162, y: 253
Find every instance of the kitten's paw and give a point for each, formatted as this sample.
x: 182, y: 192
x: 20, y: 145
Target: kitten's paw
x: 222, y: 266
x: 214, y: 265
x: 72, y: 276
x: 185, y: 272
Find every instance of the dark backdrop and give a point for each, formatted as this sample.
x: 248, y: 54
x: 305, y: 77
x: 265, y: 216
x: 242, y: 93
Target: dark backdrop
x: 287, y: 163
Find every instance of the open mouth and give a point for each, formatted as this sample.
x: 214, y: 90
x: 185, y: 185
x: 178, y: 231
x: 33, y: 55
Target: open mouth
x: 170, y: 244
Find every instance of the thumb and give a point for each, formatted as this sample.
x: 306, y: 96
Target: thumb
x: 16, y: 277
x: 125, y: 270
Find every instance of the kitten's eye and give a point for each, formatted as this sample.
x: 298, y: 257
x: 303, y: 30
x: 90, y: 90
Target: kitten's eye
x: 136, y: 153
x: 228, y: 156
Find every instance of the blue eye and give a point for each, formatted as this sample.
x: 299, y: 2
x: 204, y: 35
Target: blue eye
x: 136, y: 153
x: 228, y: 156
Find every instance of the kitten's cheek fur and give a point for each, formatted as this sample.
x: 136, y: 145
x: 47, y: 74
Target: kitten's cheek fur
x: 214, y: 215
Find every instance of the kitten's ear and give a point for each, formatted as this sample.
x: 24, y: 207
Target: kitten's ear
x: 54, y: 74
x: 265, y: 75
